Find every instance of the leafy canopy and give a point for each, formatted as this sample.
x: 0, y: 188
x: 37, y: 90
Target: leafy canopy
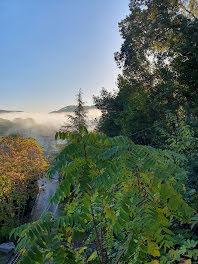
x: 121, y: 202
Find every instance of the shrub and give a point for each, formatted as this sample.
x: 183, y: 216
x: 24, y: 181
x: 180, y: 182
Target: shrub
x: 21, y: 164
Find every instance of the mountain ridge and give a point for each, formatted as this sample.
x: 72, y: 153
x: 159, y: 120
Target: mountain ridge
x: 71, y: 108
x: 9, y: 111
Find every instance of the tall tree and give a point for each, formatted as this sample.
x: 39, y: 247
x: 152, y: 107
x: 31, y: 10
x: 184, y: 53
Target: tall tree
x: 157, y: 101
x: 159, y: 48
x: 80, y: 115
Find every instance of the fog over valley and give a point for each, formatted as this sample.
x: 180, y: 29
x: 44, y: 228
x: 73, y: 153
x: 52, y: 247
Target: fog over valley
x: 41, y: 126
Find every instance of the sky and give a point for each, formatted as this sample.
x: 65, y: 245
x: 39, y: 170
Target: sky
x: 49, y: 49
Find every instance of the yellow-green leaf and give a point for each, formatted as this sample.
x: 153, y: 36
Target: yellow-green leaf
x: 153, y: 249
x: 93, y: 256
x: 153, y: 262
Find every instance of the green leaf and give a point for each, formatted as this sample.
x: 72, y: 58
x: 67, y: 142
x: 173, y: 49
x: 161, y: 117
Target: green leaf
x: 93, y: 256
x: 153, y: 249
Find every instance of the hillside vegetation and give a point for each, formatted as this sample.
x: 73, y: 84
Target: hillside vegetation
x: 122, y: 204
x: 128, y: 191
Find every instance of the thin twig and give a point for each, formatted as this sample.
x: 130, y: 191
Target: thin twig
x: 98, y: 245
x: 138, y: 180
x: 85, y: 152
x: 151, y: 184
x: 121, y: 254
x: 188, y: 11
x: 145, y: 199
x: 101, y: 231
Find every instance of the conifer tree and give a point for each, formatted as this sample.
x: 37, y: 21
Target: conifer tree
x: 80, y: 116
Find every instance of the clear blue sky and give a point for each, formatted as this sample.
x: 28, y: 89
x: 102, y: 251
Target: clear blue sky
x: 51, y: 48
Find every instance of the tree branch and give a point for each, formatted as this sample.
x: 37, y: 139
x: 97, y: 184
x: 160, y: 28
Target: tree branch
x: 188, y: 11
x: 138, y: 180
x: 101, y: 231
x: 121, y: 254
x: 98, y: 246
x: 85, y: 152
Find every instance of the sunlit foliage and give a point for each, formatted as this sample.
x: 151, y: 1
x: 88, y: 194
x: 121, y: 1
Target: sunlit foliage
x: 157, y: 97
x: 21, y: 164
x: 121, y: 205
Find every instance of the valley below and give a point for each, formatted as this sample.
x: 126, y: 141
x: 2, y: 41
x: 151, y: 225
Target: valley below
x: 41, y: 126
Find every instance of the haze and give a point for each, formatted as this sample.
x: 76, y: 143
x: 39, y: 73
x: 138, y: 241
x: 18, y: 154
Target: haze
x: 41, y: 126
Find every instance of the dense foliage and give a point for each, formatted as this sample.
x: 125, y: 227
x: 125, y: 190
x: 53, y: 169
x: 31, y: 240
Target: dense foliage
x: 122, y: 204
x: 21, y: 165
x: 157, y: 100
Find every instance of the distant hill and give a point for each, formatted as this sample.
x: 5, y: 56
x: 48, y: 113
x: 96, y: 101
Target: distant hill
x: 9, y: 111
x: 71, y: 108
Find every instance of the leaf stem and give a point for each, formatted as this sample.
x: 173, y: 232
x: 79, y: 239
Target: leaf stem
x: 121, y: 254
x: 138, y: 180
x: 99, y: 245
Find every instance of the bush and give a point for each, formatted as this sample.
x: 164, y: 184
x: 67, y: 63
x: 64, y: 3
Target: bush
x: 122, y: 204
x: 21, y: 164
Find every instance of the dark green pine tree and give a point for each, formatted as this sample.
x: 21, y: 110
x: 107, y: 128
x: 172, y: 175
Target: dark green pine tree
x: 80, y: 116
